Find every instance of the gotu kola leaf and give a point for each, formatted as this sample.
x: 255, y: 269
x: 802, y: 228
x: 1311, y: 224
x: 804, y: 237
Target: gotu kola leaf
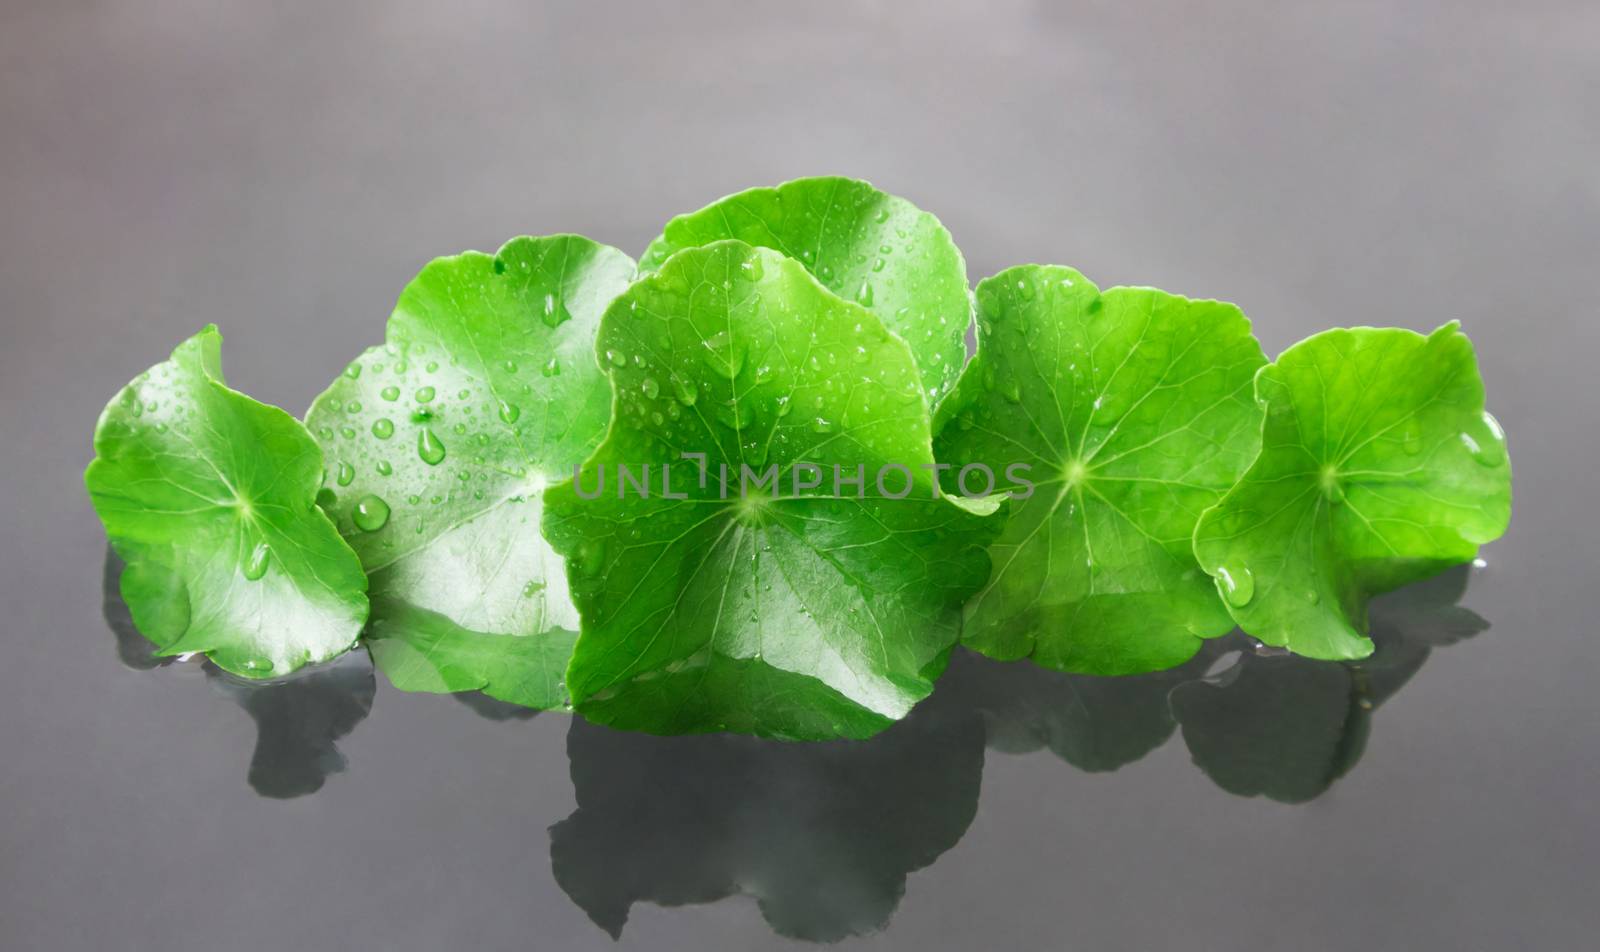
x: 440, y: 445
x: 1129, y: 413
x: 875, y: 249
x: 1378, y: 467
x: 822, y: 609
x: 209, y: 497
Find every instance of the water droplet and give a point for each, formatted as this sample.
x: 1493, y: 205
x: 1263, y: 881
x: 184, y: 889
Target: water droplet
x: 509, y: 412
x: 1012, y: 391
x: 724, y: 354
x: 532, y: 588
x: 345, y: 474
x: 390, y: 393
x: 552, y: 368
x: 384, y: 468
x: 864, y: 295
x: 352, y: 371
x: 821, y: 425
x: 429, y: 447
x: 370, y: 514
x: 383, y: 428
x: 1024, y: 289
x: 877, y: 264
x: 326, y: 498
x: 650, y: 388
x: 1312, y: 597
x: 555, y: 311
x: 256, y: 565
x: 424, y: 394
x: 1238, y: 585
x: 751, y: 268
x: 617, y: 358
x: 685, y: 390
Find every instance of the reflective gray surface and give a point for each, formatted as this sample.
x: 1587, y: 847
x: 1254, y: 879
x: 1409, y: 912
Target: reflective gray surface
x: 283, y: 169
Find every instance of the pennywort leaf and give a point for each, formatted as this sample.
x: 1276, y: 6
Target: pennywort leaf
x: 209, y: 497
x: 441, y: 443
x: 864, y: 245
x: 1378, y: 467
x: 1114, y: 418
x: 808, y: 608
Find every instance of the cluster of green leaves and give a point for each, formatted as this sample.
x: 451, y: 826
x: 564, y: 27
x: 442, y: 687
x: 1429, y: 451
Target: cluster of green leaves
x: 1158, y: 481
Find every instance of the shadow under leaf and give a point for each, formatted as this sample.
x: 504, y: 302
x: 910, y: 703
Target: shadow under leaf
x: 298, y: 718
x: 1286, y: 727
x: 821, y: 834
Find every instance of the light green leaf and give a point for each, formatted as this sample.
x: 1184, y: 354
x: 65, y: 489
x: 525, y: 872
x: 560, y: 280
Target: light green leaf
x: 1378, y: 467
x: 1129, y: 412
x: 799, y: 615
x: 440, y: 445
x: 209, y: 497
x: 864, y: 245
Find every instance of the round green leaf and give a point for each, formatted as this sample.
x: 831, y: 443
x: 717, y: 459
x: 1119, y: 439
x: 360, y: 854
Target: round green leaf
x: 1378, y: 467
x: 1129, y: 413
x: 864, y: 245
x: 804, y: 614
x: 209, y: 497
x: 440, y: 445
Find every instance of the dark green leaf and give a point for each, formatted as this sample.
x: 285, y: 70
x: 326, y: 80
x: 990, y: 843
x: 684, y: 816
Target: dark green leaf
x: 866, y: 246
x: 1129, y: 412
x: 805, y: 615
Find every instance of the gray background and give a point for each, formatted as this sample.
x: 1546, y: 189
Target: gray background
x: 282, y: 169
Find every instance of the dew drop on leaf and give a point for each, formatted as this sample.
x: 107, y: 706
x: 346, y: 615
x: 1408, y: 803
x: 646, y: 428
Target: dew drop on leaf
x: 424, y: 394
x: 554, y: 312
x: 345, y: 474
x: 552, y: 368
x: 390, y: 393
x: 1238, y: 585
x: 429, y: 448
x: 256, y: 565
x: 509, y: 412
x: 383, y: 428
x: 370, y: 514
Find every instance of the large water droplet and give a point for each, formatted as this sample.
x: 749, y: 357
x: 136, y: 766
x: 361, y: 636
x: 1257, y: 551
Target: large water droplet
x: 256, y: 565
x: 352, y: 371
x: 751, y: 268
x: 390, y: 393
x: 685, y: 390
x: 1237, y: 584
x: 370, y: 514
x: 617, y: 358
x: 555, y: 311
x: 345, y: 474
x: 650, y: 388
x: 724, y: 354
x: 552, y: 368
x: 509, y: 412
x: 383, y: 428
x: 864, y: 295
x: 429, y: 447
x: 424, y: 394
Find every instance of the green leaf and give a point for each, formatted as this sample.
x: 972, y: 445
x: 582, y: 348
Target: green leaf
x: 800, y: 615
x: 441, y: 443
x: 1378, y: 467
x: 1129, y: 413
x: 209, y: 497
x: 864, y: 245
